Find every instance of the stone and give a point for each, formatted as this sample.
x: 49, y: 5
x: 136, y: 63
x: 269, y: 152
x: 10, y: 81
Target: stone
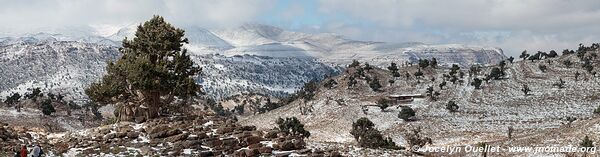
x: 176, y: 138
x: 271, y: 134
x: 133, y: 135
x: 252, y: 152
x: 265, y: 150
x: 158, y: 128
x: 224, y: 130
x: 252, y: 140
x: 163, y: 134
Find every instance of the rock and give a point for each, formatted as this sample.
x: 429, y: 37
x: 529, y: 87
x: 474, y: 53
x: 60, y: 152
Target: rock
x: 230, y: 142
x: 163, y: 134
x: 212, y: 142
x: 176, y: 138
x: 303, y: 151
x: 133, y: 135
x: 158, y: 128
x: 224, y: 130
x: 146, y: 150
x: 247, y: 128
x: 271, y: 134
x: 252, y: 140
x: 255, y: 146
x: 109, y: 136
x: 265, y: 150
x: 207, y: 153
x: 191, y: 144
x: 252, y: 152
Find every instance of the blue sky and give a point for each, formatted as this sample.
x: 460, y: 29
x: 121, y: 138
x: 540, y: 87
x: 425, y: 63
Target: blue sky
x: 513, y: 25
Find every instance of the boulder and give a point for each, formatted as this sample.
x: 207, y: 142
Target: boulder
x: 163, y: 134
x: 176, y: 138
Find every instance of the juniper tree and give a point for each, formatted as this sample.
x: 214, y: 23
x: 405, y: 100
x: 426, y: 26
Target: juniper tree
x: 406, y: 113
x: 552, y: 54
x: 423, y: 63
x: 525, y: 89
x: 586, y: 142
x: 354, y: 63
x: 454, y: 69
x: 524, y: 55
x: 476, y: 83
x: 451, y: 106
x: 383, y: 104
x: 577, y: 75
x: 47, y: 107
x: 292, y: 126
x: 567, y: 63
x: 433, y: 62
x: 12, y: 99
x: 365, y: 133
x: 374, y: 84
x: 511, y: 59
x: 394, y: 69
x: 152, y: 72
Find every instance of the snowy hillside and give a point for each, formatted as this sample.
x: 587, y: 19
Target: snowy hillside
x: 264, y: 40
x: 68, y: 67
x: 484, y: 115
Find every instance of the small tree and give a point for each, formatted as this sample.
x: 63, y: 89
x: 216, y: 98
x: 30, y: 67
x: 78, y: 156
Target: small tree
x: 476, y: 83
x: 454, y: 69
x: 35, y: 92
x: 552, y: 54
x: 525, y: 90
x: 542, y: 68
x: 330, y: 83
x: 354, y: 63
x: 524, y: 55
x: 597, y: 110
x: 433, y: 62
x: 451, y: 106
x: 292, y: 126
x: 432, y: 94
x: 47, y: 107
x: 511, y: 59
x: 441, y: 85
x: 567, y: 63
x: 374, y: 84
x: 383, y: 104
x: 577, y: 75
x: 496, y: 73
x: 367, y: 136
x: 406, y: 113
x: 351, y: 81
x: 586, y: 142
x: 12, y: 99
x: 418, y: 74
x: 423, y: 63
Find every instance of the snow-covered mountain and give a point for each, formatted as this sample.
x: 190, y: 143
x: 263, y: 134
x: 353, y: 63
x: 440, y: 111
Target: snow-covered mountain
x: 68, y: 67
x: 267, y: 40
x: 251, y: 58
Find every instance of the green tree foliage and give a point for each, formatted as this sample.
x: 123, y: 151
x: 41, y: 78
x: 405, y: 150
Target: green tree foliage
x: 368, y: 136
x: 567, y: 63
x: 383, y: 104
x: 524, y: 55
x: 35, y: 92
x: 474, y: 70
x: 394, y: 69
x: 476, y: 83
x: 418, y: 74
x: 47, y: 107
x: 511, y: 59
x: 330, y: 83
x: 152, y: 72
x: 292, y: 126
x: 552, y: 54
x: 432, y: 94
x: 452, y: 106
x: 406, y: 113
x: 12, y: 99
x: 586, y: 142
x: 525, y: 89
x: 433, y: 63
x: 454, y: 69
x: 423, y: 63
x: 567, y: 52
x: 308, y: 90
x: 496, y: 74
x: 542, y: 67
x: 354, y: 63
x: 441, y: 85
x: 374, y: 84
x: 351, y: 81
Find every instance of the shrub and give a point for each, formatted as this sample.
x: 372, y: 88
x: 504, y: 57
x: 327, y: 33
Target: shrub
x: 406, y: 113
x: 367, y: 136
x: 355, y: 63
x: 451, y: 106
x: 586, y: 142
x: 383, y: 104
x: 292, y: 126
x: 47, y: 107
x: 476, y: 83
x: 374, y: 84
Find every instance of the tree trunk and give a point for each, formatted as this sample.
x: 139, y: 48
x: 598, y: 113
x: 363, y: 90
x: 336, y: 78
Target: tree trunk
x: 152, y: 102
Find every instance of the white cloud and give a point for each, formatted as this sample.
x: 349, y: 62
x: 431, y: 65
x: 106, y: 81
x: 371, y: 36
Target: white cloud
x: 510, y: 24
x: 27, y: 15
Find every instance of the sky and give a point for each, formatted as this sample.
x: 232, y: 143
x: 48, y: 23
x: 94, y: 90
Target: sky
x: 513, y: 25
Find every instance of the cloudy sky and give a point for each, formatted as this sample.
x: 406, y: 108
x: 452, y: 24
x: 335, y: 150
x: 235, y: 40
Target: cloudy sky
x: 513, y: 25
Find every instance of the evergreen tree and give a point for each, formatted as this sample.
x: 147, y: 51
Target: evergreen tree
x: 47, y: 107
x: 12, y: 99
x: 451, y: 106
x: 374, y: 84
x: 441, y: 85
x: 552, y: 54
x: 151, y: 73
x: 406, y: 113
x: 418, y: 74
x: 524, y: 55
x: 292, y: 126
x: 577, y: 75
x: 542, y: 68
x: 511, y: 59
x: 35, y: 92
x: 365, y: 133
x: 433, y: 63
x: 330, y: 83
x: 496, y: 73
x: 476, y: 83
x: 525, y: 90
x: 567, y: 63
x: 394, y: 69
x: 559, y: 84
x: 354, y: 63
x: 423, y: 63
x: 383, y: 104
x: 586, y: 142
